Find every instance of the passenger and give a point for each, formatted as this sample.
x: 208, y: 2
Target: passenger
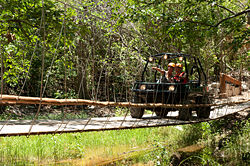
x: 168, y: 75
x: 180, y: 76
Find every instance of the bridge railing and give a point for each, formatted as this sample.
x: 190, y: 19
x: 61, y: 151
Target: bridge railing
x: 227, y: 90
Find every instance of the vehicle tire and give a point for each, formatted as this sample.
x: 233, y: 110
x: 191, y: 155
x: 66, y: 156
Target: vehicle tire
x: 203, y: 112
x: 161, y: 112
x: 184, y: 114
x: 2, y: 109
x: 137, y: 112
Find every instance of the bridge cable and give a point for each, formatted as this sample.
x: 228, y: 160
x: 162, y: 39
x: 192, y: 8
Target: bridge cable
x: 42, y: 70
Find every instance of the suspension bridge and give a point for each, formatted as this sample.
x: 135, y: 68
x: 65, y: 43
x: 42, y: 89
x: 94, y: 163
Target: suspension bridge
x: 33, y: 126
x: 220, y: 109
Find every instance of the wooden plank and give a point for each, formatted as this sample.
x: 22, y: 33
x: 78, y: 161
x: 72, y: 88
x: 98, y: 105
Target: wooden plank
x: 232, y: 80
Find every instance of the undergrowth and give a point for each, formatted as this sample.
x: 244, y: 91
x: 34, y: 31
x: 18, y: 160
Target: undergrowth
x: 225, y: 142
x: 52, y: 148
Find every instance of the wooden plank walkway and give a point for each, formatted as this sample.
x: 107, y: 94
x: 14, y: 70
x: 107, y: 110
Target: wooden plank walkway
x: 22, y: 127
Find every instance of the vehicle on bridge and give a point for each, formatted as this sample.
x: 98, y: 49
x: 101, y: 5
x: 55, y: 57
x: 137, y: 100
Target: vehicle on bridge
x: 154, y: 88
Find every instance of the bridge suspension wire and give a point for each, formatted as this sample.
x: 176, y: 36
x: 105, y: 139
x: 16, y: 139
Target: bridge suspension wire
x: 42, y: 67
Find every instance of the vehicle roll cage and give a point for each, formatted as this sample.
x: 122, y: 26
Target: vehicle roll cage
x: 176, y: 55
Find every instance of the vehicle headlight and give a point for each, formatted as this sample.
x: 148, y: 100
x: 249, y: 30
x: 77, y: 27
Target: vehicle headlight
x: 151, y: 59
x: 171, y: 88
x: 142, y: 87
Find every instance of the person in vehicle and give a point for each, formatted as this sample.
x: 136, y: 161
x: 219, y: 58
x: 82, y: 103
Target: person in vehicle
x: 168, y: 75
x: 179, y: 75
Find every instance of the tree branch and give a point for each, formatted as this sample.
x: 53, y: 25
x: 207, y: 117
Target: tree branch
x: 221, y: 21
x: 223, y: 7
x: 236, y: 15
x: 19, y: 21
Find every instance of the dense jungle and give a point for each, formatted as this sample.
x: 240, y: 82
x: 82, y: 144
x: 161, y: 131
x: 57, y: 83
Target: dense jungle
x: 96, y: 50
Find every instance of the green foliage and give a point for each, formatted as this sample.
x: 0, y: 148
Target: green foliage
x: 161, y: 155
x: 232, y: 149
x: 107, y: 42
x: 192, y: 134
x: 24, y: 22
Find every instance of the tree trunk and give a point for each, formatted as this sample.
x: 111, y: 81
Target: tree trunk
x: 81, y: 82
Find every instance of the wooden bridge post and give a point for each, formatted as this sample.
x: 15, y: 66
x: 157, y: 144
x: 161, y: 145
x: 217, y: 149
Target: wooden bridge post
x: 225, y: 78
x: 222, y: 85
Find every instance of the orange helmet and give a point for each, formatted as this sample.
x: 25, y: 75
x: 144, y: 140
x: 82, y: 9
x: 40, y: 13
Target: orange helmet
x: 171, y: 64
x: 179, y: 65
